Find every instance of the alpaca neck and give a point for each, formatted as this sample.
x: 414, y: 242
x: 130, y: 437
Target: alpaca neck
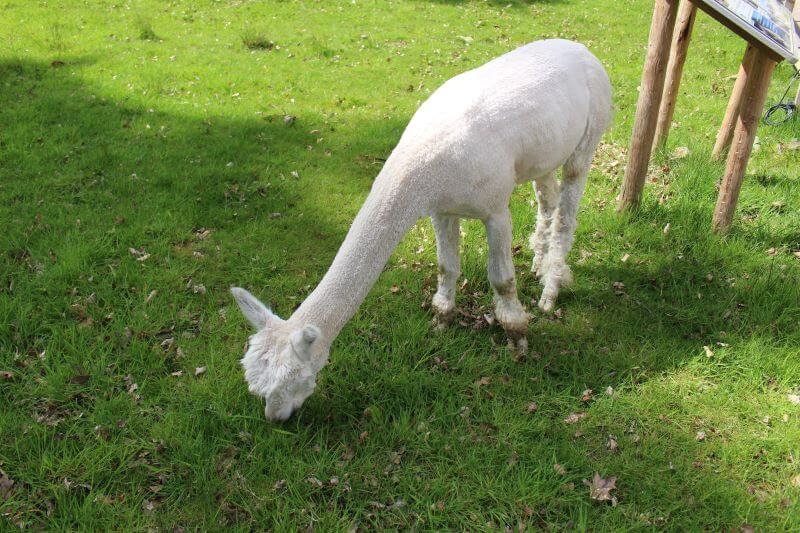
x: 386, y: 216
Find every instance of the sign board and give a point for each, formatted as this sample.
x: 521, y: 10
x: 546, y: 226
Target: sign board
x: 768, y: 22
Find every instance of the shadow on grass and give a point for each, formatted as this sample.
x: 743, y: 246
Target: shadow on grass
x: 141, y: 178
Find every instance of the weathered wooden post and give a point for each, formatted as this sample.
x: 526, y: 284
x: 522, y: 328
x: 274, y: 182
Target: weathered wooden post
x: 652, y: 89
x: 759, y: 74
x: 734, y: 103
x: 680, y: 48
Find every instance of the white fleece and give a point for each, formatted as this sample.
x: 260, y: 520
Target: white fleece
x: 517, y: 118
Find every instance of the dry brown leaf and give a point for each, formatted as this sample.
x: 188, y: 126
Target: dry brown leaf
x: 575, y: 417
x: 560, y: 470
x: 600, y: 489
x: 612, y: 444
x: 533, y: 407
x: 394, y: 289
x: 680, y: 152
x: 6, y: 484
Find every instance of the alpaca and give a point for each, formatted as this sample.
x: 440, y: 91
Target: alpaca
x: 517, y: 118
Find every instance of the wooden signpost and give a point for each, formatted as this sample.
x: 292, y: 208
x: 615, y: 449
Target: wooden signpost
x: 670, y: 33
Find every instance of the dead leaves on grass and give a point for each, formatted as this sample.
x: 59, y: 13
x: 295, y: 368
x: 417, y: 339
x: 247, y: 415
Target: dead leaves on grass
x: 574, y: 418
x: 600, y: 488
x: 6, y: 484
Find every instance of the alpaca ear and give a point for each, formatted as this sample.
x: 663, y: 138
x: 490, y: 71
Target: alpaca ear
x: 254, y: 311
x: 302, y: 341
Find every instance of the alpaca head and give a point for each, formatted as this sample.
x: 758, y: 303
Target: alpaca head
x: 282, y: 358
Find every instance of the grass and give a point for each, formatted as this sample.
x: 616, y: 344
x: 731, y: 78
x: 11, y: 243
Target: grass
x: 221, y: 165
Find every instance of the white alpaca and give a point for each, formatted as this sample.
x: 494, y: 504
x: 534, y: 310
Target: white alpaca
x: 517, y: 118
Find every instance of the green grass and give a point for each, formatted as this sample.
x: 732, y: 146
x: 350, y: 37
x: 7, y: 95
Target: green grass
x: 142, y: 124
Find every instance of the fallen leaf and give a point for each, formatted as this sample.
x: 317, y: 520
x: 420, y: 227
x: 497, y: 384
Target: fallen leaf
x: 80, y: 379
x: 348, y: 454
x: 796, y: 481
x: 6, y: 484
x: 612, y: 444
x: 680, y: 152
x: 575, y: 417
x: 600, y: 489
x: 199, y: 371
x: 140, y: 254
x: 533, y: 407
x: 560, y: 470
x: 619, y: 288
x: 395, y: 289
x: 709, y: 351
x: 793, y: 398
x: 485, y: 380
x: 177, y: 373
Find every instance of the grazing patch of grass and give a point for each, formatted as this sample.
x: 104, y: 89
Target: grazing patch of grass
x: 140, y: 180
x: 256, y: 41
x: 146, y: 31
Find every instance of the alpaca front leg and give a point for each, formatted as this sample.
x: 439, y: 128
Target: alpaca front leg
x: 557, y: 272
x: 545, y: 189
x: 448, y: 233
x: 508, y: 309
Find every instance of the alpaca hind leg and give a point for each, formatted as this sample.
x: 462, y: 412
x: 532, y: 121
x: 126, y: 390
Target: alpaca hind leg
x: 546, y: 191
x: 448, y: 233
x: 562, y: 235
x: 509, y: 311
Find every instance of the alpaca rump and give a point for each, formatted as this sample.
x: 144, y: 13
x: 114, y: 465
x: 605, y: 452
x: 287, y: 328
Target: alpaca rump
x: 518, y: 118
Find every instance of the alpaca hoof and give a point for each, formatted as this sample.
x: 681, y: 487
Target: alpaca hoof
x: 444, y: 311
x: 547, y: 302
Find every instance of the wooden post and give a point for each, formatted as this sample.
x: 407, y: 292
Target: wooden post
x: 754, y: 95
x: 644, y: 127
x: 732, y: 113
x: 680, y: 47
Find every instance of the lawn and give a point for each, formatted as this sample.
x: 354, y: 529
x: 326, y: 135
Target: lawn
x: 153, y: 153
